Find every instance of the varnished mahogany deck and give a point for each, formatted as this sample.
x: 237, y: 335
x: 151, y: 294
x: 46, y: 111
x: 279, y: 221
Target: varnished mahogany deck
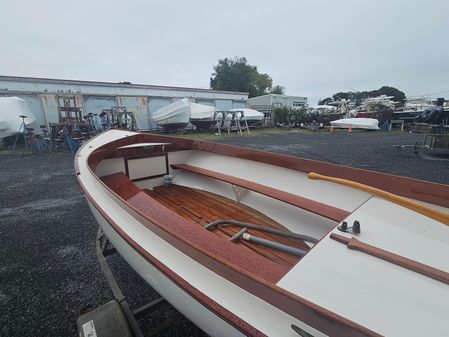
x: 203, y: 207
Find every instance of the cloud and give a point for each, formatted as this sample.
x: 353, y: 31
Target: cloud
x: 313, y: 48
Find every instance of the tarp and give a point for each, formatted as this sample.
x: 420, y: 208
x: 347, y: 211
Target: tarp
x: 10, y: 110
x: 201, y: 111
x: 251, y: 114
x: 175, y: 113
x: 356, y: 123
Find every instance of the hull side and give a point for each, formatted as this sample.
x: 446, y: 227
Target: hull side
x: 201, y: 316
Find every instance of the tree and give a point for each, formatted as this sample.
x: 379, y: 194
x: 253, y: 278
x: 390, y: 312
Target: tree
x: 397, y: 94
x: 237, y: 75
x: 278, y: 89
x: 359, y: 96
x: 325, y: 101
x: 381, y: 112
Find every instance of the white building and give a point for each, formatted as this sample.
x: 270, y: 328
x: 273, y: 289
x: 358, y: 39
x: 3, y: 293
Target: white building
x: 48, y: 97
x: 267, y: 104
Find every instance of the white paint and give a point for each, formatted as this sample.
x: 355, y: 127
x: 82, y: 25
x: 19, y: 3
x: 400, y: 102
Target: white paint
x: 146, y: 167
x: 381, y: 296
x: 110, y: 166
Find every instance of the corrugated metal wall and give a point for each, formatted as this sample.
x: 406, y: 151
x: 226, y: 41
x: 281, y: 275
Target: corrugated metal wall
x: 139, y: 106
x: 238, y: 105
x: 50, y: 107
x: 42, y: 96
x: 94, y: 104
x: 45, y: 106
x: 223, y: 105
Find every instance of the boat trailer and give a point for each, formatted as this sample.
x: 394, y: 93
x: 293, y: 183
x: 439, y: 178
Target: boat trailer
x: 116, y: 318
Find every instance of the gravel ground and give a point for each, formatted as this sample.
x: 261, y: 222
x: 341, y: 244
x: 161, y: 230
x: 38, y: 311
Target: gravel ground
x: 48, y: 268
x: 368, y: 150
x: 49, y: 272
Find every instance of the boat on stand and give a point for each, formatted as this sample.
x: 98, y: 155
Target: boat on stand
x: 246, y: 242
x: 174, y: 116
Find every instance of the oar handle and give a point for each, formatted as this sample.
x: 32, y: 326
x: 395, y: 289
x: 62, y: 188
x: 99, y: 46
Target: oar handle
x: 405, y: 202
x: 421, y: 268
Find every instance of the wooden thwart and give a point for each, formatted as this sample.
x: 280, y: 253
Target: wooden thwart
x: 404, y: 262
x: 327, y: 211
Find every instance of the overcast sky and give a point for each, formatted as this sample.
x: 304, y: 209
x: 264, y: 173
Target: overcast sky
x: 314, y: 48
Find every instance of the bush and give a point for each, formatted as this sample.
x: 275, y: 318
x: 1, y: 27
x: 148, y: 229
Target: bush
x: 285, y: 115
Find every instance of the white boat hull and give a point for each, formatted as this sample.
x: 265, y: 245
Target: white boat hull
x: 356, y: 123
x: 173, y: 116
x: 210, y: 323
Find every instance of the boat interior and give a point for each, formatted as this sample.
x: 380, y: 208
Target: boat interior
x: 253, y: 226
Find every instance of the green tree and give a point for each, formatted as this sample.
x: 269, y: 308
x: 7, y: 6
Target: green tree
x: 397, y: 94
x: 285, y: 115
x: 324, y: 101
x: 278, y: 89
x: 237, y: 75
x: 359, y: 96
x: 381, y: 112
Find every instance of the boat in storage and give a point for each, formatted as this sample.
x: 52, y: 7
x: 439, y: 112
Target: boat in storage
x: 173, y: 116
x: 246, y: 242
x: 202, y: 116
x: 250, y: 115
x: 11, y: 111
x: 356, y: 123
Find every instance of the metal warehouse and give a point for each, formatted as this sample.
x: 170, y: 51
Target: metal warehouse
x: 48, y: 98
x: 267, y: 104
x: 275, y: 101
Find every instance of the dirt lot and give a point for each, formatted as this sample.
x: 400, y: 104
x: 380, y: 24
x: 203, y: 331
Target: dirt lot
x: 48, y: 268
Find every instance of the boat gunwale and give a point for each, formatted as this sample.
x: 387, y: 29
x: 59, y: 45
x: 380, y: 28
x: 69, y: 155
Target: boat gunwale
x: 308, y: 312
x: 418, y: 189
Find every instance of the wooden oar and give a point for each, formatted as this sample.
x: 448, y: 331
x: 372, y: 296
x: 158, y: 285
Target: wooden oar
x: 405, y: 202
x: 404, y: 262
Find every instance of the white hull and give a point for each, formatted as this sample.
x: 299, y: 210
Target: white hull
x: 201, y: 112
x: 176, y: 114
x: 249, y: 114
x: 10, y: 110
x: 356, y: 123
x: 183, y: 302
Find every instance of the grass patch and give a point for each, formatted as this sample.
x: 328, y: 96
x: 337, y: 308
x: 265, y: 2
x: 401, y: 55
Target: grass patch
x: 260, y: 132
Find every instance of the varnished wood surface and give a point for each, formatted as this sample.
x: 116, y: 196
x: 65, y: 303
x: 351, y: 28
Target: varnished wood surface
x: 421, y: 268
x: 183, y: 231
x: 327, y: 211
x: 203, y: 207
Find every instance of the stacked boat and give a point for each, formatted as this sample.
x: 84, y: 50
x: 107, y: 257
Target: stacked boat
x: 252, y: 243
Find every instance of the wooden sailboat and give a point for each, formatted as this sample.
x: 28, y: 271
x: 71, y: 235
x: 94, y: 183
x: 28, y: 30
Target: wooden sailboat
x: 245, y: 242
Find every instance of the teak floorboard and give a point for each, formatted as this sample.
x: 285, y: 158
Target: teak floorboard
x: 204, y: 207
